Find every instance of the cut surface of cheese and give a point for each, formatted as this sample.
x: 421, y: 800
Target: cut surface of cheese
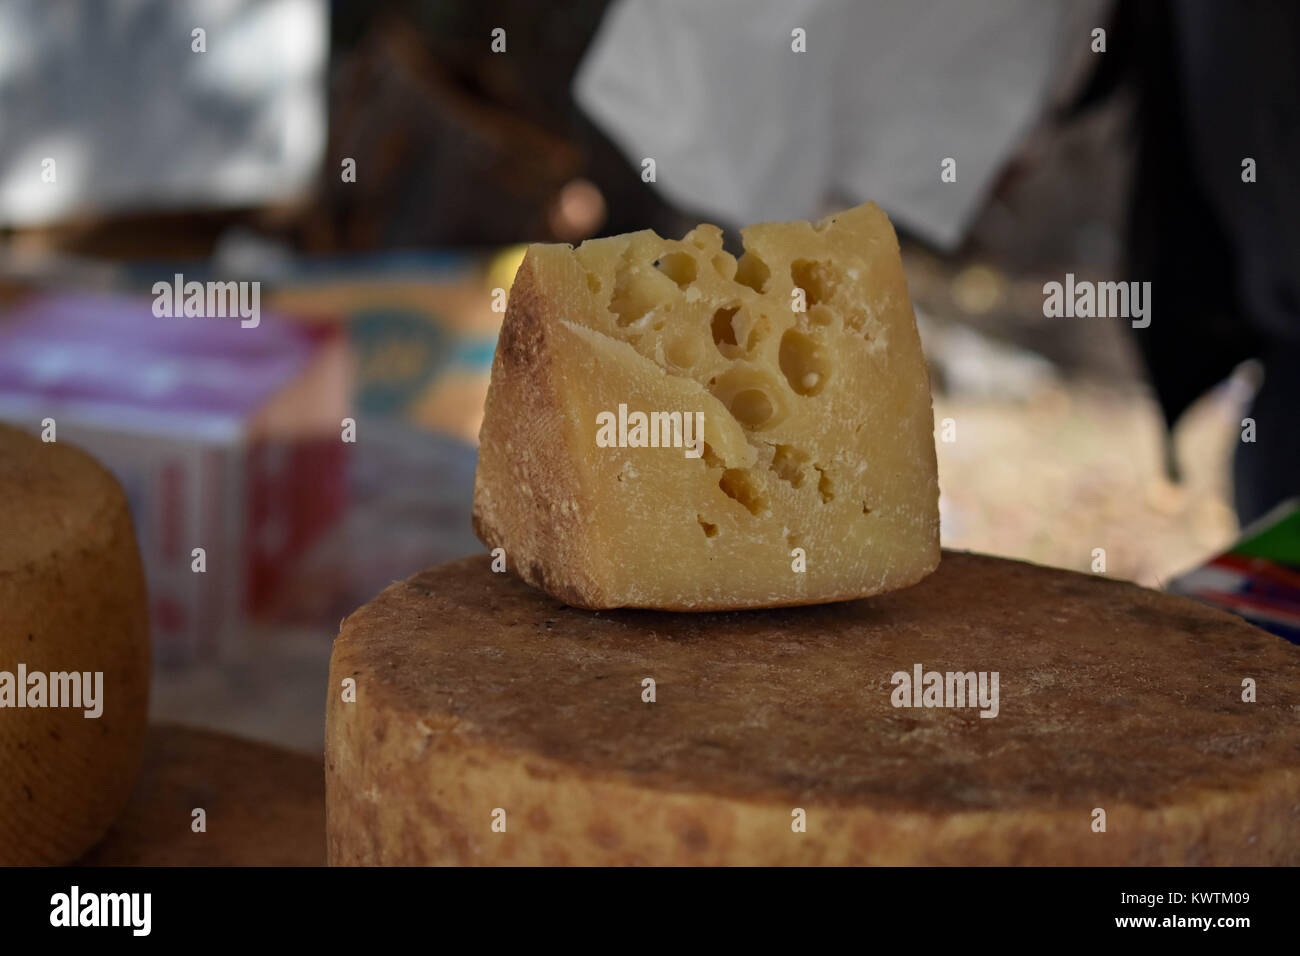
x: 72, y: 601
x: 480, y: 701
x: 815, y: 479
x: 263, y: 805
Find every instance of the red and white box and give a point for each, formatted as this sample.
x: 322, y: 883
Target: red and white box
x: 225, y: 438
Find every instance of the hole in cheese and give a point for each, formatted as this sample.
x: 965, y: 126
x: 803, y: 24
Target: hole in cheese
x: 753, y: 272
x: 804, y: 362
x: 818, y: 279
x: 680, y: 267
x: 755, y: 398
x: 821, y: 315
x: 741, y: 486
x: 737, y: 331
x: 788, y: 463
x: 856, y: 320
x: 750, y: 329
x: 751, y: 407
x: 684, y: 352
x: 724, y: 335
x: 636, y: 294
x: 824, y: 486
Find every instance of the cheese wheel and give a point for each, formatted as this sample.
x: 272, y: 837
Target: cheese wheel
x: 72, y: 602
x: 262, y: 805
x: 495, y: 725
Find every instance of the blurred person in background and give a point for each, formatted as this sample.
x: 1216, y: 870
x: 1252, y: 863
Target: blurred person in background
x: 750, y: 109
x: 879, y: 94
x: 1215, y: 215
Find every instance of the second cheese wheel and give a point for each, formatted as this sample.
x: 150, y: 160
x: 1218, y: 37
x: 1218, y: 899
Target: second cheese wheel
x: 264, y: 806
x: 72, y: 599
x: 495, y: 725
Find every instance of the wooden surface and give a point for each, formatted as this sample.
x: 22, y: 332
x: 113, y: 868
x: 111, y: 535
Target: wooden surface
x: 476, y: 692
x: 264, y: 806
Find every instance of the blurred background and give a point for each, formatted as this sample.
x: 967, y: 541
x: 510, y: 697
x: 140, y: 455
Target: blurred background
x: 376, y: 166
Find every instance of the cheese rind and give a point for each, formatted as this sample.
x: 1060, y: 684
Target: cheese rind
x: 72, y: 598
x: 476, y: 693
x: 817, y: 481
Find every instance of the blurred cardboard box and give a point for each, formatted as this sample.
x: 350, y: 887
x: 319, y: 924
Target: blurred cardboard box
x: 224, y: 438
x: 421, y: 327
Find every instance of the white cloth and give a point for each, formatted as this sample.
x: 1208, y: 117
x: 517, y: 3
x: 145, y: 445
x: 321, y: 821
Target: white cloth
x: 135, y: 119
x: 744, y: 129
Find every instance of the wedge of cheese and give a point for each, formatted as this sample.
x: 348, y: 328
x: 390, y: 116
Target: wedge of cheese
x: 472, y: 720
x: 670, y: 427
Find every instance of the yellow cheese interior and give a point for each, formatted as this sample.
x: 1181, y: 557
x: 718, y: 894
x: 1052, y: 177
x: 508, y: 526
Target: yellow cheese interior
x: 804, y: 358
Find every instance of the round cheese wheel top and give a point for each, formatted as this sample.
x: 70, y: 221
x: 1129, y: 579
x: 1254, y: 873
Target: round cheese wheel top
x: 493, y: 724
x: 262, y: 805
x: 74, y: 650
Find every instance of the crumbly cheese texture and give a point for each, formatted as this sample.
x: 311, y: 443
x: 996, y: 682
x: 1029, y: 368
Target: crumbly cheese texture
x: 817, y: 479
x: 72, y: 598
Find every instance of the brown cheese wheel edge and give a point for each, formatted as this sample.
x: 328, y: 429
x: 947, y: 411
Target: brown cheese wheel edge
x: 72, y: 598
x: 475, y: 693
